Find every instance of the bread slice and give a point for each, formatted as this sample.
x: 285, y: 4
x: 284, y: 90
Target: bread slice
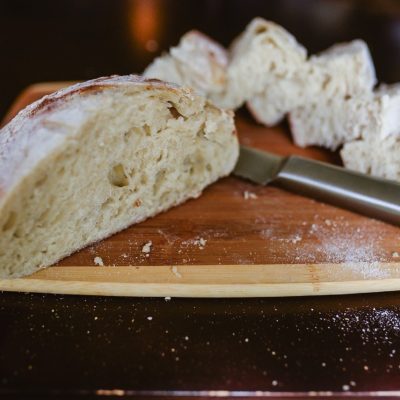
x: 264, y: 53
x: 333, y: 110
x: 342, y: 70
x: 90, y: 160
x: 197, y: 62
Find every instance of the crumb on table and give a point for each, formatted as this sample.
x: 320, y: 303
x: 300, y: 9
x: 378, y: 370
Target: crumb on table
x: 147, y: 248
x: 249, y: 195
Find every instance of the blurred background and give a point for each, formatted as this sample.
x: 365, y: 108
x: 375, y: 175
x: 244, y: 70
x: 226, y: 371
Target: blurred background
x: 47, y: 40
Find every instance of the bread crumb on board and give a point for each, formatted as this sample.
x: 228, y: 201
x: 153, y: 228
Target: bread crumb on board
x: 98, y: 261
x: 197, y: 241
x: 201, y: 243
x: 147, y: 248
x: 395, y: 254
x: 249, y: 195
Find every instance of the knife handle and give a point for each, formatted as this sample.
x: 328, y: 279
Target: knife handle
x: 375, y: 197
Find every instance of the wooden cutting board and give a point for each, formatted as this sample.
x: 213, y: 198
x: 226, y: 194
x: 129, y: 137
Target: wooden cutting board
x: 236, y: 240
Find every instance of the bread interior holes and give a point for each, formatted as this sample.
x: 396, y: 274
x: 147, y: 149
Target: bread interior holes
x: 202, y: 131
x: 174, y: 112
x: 41, y: 181
x: 326, y: 82
x: 160, y: 177
x: 117, y: 176
x: 10, y: 221
x: 147, y: 129
x: 261, y: 29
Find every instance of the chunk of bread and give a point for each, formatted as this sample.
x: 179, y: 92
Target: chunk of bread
x: 92, y: 159
x: 376, y: 157
x: 333, y: 113
x: 346, y: 68
x: 264, y: 53
x: 335, y: 121
x: 284, y: 95
x: 342, y: 70
x: 377, y: 152
x: 197, y: 62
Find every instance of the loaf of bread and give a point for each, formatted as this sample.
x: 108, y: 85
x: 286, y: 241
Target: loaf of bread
x: 197, y: 62
x: 92, y: 159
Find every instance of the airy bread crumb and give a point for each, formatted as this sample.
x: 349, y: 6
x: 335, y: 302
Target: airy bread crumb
x: 98, y: 261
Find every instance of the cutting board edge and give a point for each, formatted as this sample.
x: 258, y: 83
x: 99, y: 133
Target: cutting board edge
x: 199, y: 290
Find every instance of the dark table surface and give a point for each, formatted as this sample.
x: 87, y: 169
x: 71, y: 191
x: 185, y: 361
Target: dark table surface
x: 66, y: 345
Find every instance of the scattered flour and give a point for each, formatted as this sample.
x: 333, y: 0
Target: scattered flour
x: 98, y: 261
x: 198, y: 241
x: 332, y: 240
x: 297, y: 238
x: 374, y: 326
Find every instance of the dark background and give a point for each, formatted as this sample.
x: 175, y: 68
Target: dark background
x: 45, y: 40
x: 74, y: 345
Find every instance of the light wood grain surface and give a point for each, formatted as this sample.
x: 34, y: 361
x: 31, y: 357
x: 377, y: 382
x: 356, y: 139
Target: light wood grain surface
x: 224, y: 245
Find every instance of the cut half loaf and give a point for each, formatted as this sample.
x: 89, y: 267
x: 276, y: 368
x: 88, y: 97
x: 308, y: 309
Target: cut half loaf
x: 197, y: 62
x: 90, y: 160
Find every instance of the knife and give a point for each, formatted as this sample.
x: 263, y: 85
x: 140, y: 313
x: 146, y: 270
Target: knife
x: 374, y: 197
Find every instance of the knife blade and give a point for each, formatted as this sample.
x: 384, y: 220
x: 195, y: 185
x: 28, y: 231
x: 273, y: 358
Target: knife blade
x: 374, y: 197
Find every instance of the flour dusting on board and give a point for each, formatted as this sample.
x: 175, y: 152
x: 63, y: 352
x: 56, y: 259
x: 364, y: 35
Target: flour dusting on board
x: 332, y: 241
x: 360, y: 251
